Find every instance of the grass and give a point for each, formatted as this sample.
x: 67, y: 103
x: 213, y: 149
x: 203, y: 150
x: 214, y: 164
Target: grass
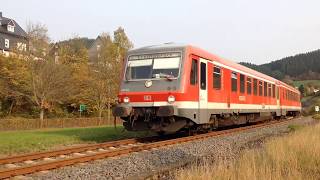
x: 295, y: 156
x: 295, y: 127
x: 16, y: 142
x: 305, y: 82
x: 316, y: 116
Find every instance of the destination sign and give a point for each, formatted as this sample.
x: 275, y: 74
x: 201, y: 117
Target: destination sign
x: 154, y: 56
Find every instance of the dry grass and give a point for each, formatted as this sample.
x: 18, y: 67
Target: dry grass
x: 296, y: 156
x: 316, y: 116
x: 13, y: 124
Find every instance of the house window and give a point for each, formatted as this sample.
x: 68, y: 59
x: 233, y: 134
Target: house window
x: 194, y: 72
x: 249, y: 85
x: 6, y: 43
x: 216, y: 77
x: 234, y: 85
x: 10, y: 28
x: 242, y: 83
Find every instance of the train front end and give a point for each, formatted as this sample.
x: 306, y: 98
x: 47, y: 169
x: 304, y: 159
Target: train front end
x: 150, y: 88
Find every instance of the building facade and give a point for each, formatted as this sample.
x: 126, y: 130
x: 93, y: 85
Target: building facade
x: 12, y: 37
x: 94, y: 51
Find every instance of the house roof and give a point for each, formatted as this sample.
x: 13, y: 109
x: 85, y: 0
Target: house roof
x: 18, y: 31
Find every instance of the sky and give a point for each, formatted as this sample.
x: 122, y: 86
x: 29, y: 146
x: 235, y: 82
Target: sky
x: 253, y: 31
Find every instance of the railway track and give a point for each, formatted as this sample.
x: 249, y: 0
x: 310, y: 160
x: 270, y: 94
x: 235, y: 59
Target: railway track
x: 35, y: 162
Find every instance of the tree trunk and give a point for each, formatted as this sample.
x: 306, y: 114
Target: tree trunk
x: 109, y: 118
x: 100, y: 117
x: 11, y: 107
x: 41, y: 117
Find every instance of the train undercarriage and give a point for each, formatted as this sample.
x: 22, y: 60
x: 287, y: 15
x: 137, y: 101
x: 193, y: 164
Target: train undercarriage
x: 163, y: 121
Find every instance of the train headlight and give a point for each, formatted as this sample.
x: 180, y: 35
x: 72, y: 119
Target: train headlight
x: 126, y: 100
x: 171, y: 99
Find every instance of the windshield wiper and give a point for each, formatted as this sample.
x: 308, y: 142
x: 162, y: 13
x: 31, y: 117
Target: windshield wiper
x: 169, y: 77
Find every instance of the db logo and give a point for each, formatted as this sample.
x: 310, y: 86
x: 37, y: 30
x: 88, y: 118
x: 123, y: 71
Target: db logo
x: 147, y: 98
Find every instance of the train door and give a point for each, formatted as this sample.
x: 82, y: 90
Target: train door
x: 278, y: 101
x: 203, y: 92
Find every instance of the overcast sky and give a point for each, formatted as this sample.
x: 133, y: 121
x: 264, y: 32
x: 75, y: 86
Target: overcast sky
x: 240, y: 30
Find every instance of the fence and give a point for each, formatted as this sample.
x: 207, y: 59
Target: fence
x: 28, y: 124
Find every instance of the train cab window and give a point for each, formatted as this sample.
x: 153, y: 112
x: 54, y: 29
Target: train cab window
x: 234, y: 83
x: 194, y: 72
x: 260, y: 88
x: 255, y: 86
x: 273, y: 91
x: 249, y: 85
x: 242, y: 83
x: 216, y: 77
x: 265, y: 89
x: 203, y: 76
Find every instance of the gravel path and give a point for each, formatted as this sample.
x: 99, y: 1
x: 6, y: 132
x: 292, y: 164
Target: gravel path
x: 142, y: 164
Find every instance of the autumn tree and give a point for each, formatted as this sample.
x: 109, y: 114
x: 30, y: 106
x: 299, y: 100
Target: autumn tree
x: 113, y: 53
x: 51, y: 83
x: 38, y: 40
x: 73, y: 52
x: 14, y: 81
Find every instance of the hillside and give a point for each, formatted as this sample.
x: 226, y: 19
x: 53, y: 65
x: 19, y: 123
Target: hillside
x: 298, y: 67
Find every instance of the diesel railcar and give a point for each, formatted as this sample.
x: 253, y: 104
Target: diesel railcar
x: 171, y: 87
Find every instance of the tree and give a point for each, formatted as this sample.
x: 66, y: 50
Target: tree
x: 113, y: 54
x: 301, y: 89
x: 38, y: 40
x: 73, y: 52
x: 99, y: 89
x: 122, y: 42
x: 14, y: 81
x: 50, y: 83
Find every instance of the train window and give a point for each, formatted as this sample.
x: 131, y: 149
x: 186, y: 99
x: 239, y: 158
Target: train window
x: 194, y: 72
x: 242, y: 83
x: 234, y: 85
x: 249, y: 85
x: 203, y: 76
x: 260, y: 88
x: 277, y: 92
x: 265, y: 89
x: 216, y: 77
x: 269, y: 90
x: 255, y: 86
x: 273, y: 91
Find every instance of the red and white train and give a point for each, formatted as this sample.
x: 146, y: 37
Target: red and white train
x: 172, y: 87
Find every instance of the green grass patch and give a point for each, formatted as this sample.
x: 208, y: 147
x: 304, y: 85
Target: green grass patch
x: 294, y: 127
x: 16, y: 142
x: 316, y: 116
x: 305, y: 82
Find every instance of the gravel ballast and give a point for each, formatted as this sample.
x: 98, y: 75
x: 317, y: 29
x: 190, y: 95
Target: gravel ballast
x: 143, y: 164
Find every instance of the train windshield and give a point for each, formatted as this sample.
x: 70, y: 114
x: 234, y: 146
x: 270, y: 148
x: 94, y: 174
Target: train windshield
x: 154, y: 66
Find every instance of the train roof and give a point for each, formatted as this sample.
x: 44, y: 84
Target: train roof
x: 210, y: 56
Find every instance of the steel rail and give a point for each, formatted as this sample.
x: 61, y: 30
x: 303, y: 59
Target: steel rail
x: 7, y: 173
x: 77, y: 149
